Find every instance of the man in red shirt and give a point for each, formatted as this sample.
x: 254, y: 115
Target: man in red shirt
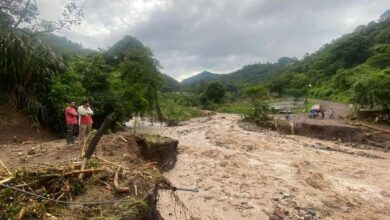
x: 71, y: 122
x: 85, y: 120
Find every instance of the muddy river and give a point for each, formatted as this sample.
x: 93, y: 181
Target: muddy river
x: 265, y: 175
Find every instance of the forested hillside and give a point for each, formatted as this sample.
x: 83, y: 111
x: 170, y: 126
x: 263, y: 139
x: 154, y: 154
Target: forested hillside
x: 170, y: 84
x: 63, y: 46
x: 203, y: 76
x: 41, y: 73
x: 353, y: 68
x: 248, y: 74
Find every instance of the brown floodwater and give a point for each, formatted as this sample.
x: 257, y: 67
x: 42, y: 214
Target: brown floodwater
x: 257, y: 175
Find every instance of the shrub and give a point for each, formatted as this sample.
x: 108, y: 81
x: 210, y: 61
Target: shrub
x: 174, y: 112
x: 258, y: 114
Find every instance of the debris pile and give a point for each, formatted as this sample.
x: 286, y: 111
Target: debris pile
x: 117, y: 185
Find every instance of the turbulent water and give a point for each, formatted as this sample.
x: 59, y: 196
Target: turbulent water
x: 260, y: 175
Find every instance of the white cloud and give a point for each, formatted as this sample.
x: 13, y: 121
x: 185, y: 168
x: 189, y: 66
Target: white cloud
x: 189, y: 36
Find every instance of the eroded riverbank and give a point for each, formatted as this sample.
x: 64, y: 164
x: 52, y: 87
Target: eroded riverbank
x: 258, y: 175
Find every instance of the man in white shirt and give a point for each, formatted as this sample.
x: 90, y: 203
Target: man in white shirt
x: 85, y: 120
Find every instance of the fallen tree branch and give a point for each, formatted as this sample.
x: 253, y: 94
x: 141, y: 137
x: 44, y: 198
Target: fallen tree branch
x: 6, y: 180
x: 5, y: 167
x: 102, y: 130
x: 112, y: 163
x: 72, y: 173
x: 117, y: 188
x: 83, y: 171
x: 135, y: 189
x: 83, y: 165
x: 373, y: 127
x: 349, y: 122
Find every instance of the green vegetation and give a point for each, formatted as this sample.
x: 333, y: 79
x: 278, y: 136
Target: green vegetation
x: 354, y: 68
x: 258, y: 114
x: 213, y: 95
x: 175, y: 112
x: 240, y: 108
x: 178, y: 107
x: 40, y: 73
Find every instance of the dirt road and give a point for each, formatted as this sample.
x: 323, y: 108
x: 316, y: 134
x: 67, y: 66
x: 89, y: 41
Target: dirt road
x: 341, y: 110
x: 265, y: 175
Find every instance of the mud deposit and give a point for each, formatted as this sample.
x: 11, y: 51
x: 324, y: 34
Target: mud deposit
x: 265, y: 175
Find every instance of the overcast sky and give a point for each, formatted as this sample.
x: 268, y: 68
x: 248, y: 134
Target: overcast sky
x: 189, y: 36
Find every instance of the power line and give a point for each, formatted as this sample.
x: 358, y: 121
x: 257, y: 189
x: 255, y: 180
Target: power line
x: 62, y: 202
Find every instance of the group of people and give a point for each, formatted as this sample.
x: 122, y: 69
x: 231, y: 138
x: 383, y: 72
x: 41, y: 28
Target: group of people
x: 316, y: 112
x: 81, y: 118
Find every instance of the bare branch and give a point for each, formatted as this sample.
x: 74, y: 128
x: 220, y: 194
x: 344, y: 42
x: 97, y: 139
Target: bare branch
x: 23, y: 15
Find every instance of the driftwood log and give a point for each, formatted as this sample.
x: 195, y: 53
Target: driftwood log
x: 117, y: 188
x: 102, y: 130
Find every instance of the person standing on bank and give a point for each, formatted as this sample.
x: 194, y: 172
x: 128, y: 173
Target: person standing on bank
x: 71, y: 123
x: 85, y: 120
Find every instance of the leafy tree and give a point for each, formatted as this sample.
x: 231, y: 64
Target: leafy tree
x: 17, y: 13
x: 298, y: 85
x: 139, y: 69
x: 255, y: 92
x: 26, y: 68
x: 214, y: 93
x: 351, y: 52
x: 64, y: 88
x: 258, y: 114
x: 380, y: 60
x: 373, y: 91
x: 26, y: 65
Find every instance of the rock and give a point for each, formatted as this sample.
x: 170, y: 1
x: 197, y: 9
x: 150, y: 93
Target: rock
x: 296, y: 217
x: 311, y: 211
x: 285, y: 195
x: 277, y: 214
x: 208, y: 197
x: 239, y: 195
x: 245, y: 205
x: 384, y: 193
x: 31, y: 151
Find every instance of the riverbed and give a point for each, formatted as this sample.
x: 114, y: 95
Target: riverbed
x: 265, y: 175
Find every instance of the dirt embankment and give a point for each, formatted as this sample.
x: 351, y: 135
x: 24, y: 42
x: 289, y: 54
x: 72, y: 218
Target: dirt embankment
x: 338, y: 128
x: 123, y: 175
x: 17, y: 127
x: 244, y: 174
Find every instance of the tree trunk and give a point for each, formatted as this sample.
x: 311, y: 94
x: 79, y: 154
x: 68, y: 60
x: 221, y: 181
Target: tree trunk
x: 95, y: 140
x: 160, y: 115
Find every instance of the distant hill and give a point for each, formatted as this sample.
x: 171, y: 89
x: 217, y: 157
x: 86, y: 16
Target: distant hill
x: 62, y: 46
x: 205, y: 75
x: 247, y: 75
x: 256, y: 73
x: 169, y: 84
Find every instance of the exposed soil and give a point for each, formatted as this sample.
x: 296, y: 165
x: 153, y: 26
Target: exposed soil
x: 338, y: 129
x: 17, y: 127
x: 158, y: 149
x: 266, y: 175
x: 140, y: 175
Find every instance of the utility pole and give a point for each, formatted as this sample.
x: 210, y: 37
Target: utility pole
x: 307, y: 91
